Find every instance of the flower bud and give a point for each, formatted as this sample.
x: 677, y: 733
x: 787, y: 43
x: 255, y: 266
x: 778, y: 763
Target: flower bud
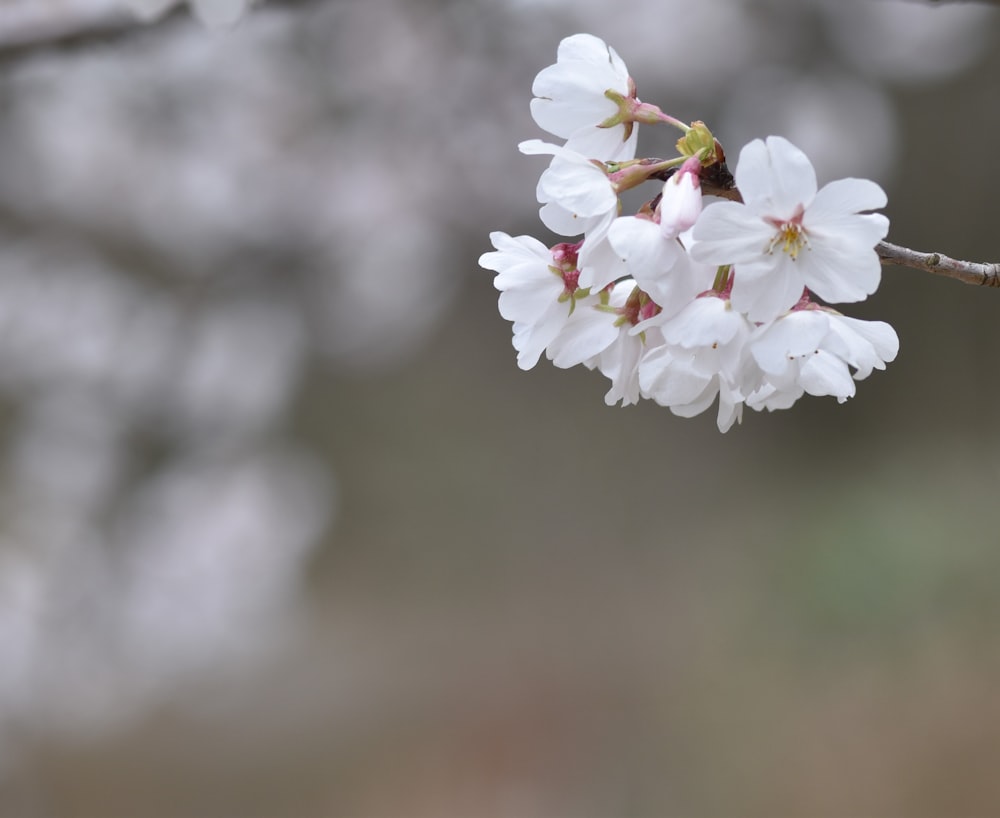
x: 680, y: 204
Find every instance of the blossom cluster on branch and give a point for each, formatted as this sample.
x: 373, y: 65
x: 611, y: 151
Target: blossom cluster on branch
x: 690, y: 299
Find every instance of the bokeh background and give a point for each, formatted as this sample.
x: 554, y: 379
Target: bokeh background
x: 285, y: 532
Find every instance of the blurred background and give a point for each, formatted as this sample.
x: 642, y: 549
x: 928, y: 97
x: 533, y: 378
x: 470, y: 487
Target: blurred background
x: 285, y: 532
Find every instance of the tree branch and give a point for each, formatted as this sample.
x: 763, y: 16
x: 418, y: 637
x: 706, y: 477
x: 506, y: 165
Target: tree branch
x: 984, y: 274
x: 25, y: 24
x: 31, y: 26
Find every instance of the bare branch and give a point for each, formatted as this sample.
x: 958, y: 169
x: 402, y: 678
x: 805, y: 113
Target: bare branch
x: 985, y: 274
x: 31, y: 26
x: 27, y: 23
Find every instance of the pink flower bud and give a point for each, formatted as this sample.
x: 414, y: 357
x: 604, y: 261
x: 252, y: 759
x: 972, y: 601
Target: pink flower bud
x: 680, y: 204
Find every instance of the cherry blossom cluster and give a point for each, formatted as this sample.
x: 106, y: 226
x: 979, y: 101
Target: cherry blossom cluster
x: 694, y: 297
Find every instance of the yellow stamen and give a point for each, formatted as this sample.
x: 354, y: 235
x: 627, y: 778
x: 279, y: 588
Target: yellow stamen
x: 791, y: 238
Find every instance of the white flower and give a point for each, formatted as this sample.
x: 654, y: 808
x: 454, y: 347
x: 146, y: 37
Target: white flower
x: 577, y: 195
x: 620, y: 361
x: 786, y: 236
x: 704, y: 355
x: 213, y: 13
x: 599, y: 335
x: 538, y: 290
x: 674, y: 378
x: 593, y: 327
x: 570, y: 99
x: 600, y: 263
x: 658, y: 263
x: 812, y: 350
x: 620, y: 364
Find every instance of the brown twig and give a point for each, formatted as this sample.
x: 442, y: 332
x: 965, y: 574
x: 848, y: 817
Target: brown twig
x: 985, y: 274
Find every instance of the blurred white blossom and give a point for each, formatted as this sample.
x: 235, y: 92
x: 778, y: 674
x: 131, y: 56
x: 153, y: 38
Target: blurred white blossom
x: 210, y: 12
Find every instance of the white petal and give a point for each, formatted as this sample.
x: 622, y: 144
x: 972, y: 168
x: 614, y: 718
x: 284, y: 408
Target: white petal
x: 845, y: 196
x: 852, y: 349
x: 534, y: 147
x: 705, y: 322
x: 648, y: 257
x: 531, y: 339
x: 730, y: 408
x: 871, y: 344
x: 826, y: 374
x: 604, y: 144
x: 860, y: 231
x: 654, y: 366
x: 567, y: 106
x: 699, y: 403
x: 620, y: 363
x: 763, y: 292
x: 529, y: 304
x: 579, y: 186
x: 528, y: 275
x: 840, y: 272
x: 559, y: 220
x: 512, y: 251
x: 772, y: 397
x: 588, y: 333
x: 753, y: 172
x: 794, y: 176
x: 672, y: 381
x: 729, y: 233
x: 796, y: 334
x: 598, y: 262
x: 590, y: 49
x: 881, y: 335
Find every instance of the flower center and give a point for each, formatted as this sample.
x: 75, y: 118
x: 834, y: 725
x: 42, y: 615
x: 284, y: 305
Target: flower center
x: 791, y: 236
x: 638, y: 308
x: 564, y: 257
x: 571, y: 280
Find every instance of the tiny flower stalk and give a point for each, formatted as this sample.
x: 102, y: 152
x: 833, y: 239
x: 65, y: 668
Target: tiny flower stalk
x: 723, y: 279
x: 631, y: 111
x: 627, y: 175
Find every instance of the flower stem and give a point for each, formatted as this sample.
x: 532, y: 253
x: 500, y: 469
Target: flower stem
x: 669, y: 120
x: 627, y: 175
x: 721, y: 278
